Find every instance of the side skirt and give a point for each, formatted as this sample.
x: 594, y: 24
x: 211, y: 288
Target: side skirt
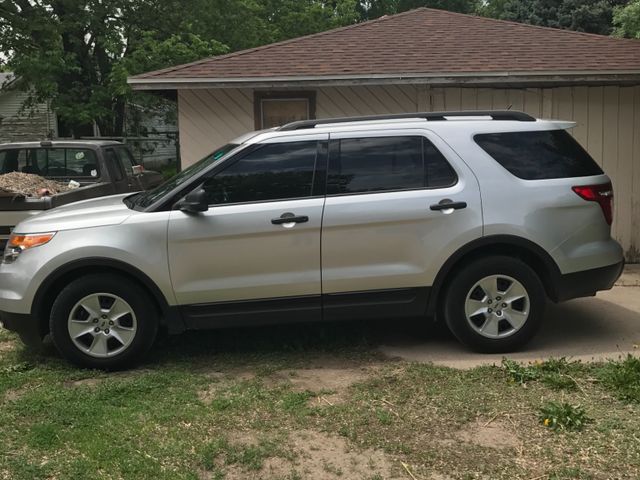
x: 396, y: 303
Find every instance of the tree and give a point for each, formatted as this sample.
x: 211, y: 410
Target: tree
x: 592, y: 16
x: 77, y: 54
x: 370, y: 9
x: 627, y: 20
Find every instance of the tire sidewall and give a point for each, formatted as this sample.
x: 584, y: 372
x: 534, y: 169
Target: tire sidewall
x: 135, y: 296
x: 466, y: 277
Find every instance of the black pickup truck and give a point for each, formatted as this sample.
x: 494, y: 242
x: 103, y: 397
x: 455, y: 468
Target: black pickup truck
x: 100, y: 167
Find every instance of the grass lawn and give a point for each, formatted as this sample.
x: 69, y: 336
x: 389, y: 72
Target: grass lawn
x: 295, y: 403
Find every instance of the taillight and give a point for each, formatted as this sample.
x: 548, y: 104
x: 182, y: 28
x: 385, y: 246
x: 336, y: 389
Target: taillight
x: 603, y: 194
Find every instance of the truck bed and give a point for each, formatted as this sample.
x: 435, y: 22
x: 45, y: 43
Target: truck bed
x: 14, y: 209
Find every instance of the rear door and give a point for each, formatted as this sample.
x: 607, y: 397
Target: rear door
x: 398, y: 205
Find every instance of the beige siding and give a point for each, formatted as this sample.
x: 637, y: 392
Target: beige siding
x: 608, y: 124
x: 18, y: 124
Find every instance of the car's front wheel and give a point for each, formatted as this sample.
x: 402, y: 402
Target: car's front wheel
x: 495, y: 304
x: 103, y: 321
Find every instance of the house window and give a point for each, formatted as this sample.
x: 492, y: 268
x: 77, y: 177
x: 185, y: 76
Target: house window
x: 273, y: 109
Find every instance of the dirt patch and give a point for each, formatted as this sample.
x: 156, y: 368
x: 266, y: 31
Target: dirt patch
x: 496, y: 434
x: 320, y: 379
x: 14, y: 395
x: 320, y: 456
x: 85, y: 382
x: 219, y: 380
x: 95, y: 381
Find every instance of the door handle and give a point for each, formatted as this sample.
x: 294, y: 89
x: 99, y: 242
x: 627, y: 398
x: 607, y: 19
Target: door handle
x: 447, y: 204
x: 289, y: 218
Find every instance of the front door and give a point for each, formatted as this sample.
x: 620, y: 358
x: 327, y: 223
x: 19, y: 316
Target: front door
x: 387, y: 227
x: 257, y: 248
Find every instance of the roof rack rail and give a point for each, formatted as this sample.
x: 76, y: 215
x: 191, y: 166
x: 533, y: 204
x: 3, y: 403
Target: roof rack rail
x: 429, y: 116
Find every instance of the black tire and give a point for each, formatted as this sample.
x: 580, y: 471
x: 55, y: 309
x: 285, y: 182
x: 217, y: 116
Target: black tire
x: 138, y: 299
x: 464, y: 279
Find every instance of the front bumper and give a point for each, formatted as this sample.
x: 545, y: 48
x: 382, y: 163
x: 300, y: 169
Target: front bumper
x: 587, y: 282
x: 24, y: 325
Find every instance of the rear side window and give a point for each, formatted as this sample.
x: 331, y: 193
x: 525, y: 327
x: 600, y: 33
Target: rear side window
x: 377, y: 164
x: 539, y: 155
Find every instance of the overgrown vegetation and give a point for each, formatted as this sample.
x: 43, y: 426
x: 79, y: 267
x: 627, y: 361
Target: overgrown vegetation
x: 255, y: 403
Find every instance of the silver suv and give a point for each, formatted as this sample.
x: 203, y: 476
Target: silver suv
x: 475, y: 218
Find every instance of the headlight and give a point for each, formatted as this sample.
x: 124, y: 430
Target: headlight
x: 19, y: 243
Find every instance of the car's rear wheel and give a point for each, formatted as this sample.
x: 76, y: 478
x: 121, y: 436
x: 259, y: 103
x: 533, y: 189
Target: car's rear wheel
x: 494, y: 304
x: 103, y: 321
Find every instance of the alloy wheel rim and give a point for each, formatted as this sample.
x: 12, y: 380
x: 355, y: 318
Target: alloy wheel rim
x: 497, y: 306
x: 102, y: 325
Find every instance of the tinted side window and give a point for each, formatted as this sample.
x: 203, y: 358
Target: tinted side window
x: 127, y: 160
x: 376, y: 164
x: 272, y: 172
x: 12, y: 160
x: 437, y: 169
x: 539, y: 155
x: 113, y: 164
x: 359, y: 165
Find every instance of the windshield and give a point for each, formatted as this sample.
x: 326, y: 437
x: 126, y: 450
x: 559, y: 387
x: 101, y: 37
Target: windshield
x: 144, y: 199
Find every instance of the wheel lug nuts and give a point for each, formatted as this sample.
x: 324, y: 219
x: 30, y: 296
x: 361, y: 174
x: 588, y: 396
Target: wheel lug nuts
x: 95, y: 320
x: 97, y: 329
x: 106, y: 331
x: 499, y: 312
x: 490, y: 310
x: 104, y: 316
x: 504, y: 305
x: 111, y: 321
x: 489, y: 301
x: 498, y: 298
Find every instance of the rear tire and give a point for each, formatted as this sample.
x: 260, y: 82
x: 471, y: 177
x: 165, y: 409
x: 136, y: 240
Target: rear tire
x: 494, y: 304
x: 103, y: 321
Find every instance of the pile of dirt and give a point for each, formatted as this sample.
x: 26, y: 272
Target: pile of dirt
x: 29, y: 185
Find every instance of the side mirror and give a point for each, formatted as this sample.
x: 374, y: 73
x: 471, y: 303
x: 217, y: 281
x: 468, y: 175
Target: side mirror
x: 137, y: 169
x: 194, y: 202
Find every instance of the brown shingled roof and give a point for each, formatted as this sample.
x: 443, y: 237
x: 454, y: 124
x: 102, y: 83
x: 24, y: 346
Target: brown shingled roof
x: 419, y: 42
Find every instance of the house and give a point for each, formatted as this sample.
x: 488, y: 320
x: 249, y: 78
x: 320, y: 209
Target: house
x: 18, y: 124
x: 425, y: 60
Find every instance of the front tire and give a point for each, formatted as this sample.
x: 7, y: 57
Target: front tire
x: 495, y: 304
x: 103, y: 321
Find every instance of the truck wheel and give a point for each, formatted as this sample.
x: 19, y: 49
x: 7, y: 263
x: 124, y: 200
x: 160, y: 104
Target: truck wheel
x: 103, y: 321
x: 495, y: 304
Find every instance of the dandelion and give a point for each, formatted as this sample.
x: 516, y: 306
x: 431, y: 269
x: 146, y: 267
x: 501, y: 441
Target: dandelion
x: 547, y: 422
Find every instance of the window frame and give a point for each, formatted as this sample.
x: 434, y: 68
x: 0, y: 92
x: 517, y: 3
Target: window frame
x: 335, y: 138
x: 260, y: 96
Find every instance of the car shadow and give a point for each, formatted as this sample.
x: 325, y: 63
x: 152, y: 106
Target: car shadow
x: 585, y: 329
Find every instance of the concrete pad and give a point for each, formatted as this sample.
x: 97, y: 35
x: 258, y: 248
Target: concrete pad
x: 630, y: 276
x: 589, y: 329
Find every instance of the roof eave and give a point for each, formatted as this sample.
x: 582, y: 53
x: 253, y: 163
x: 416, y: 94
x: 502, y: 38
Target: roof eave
x: 620, y: 77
